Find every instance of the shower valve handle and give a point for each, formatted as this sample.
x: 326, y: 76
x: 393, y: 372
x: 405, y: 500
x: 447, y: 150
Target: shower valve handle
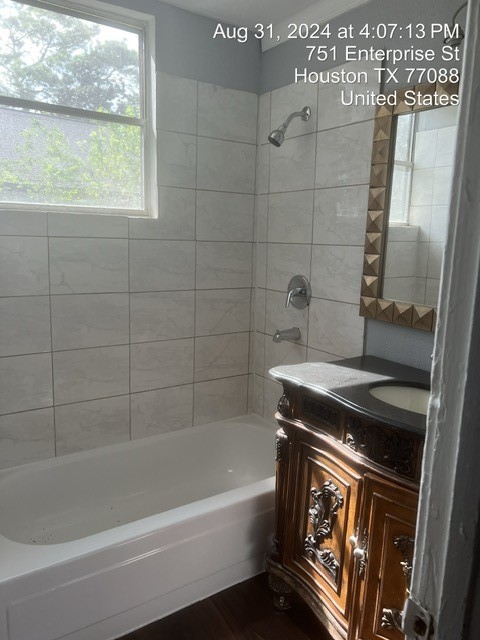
x: 299, y: 293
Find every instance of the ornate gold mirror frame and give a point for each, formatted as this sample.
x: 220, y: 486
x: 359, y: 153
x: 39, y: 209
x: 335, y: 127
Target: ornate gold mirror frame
x: 372, y: 305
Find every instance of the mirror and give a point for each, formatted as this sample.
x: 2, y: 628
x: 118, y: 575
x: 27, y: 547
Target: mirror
x: 410, y: 185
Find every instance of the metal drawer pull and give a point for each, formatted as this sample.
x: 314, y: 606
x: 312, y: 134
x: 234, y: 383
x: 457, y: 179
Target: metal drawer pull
x: 360, y: 553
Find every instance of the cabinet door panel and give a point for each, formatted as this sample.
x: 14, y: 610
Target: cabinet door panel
x: 391, y: 514
x: 324, y: 517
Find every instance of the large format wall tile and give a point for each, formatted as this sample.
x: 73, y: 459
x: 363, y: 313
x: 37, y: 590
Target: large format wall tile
x: 176, y: 217
x: 290, y: 217
x: 162, y: 410
x: 226, y: 166
x: 97, y: 423
x: 332, y: 112
x: 26, y: 437
x: 259, y: 309
x: 263, y: 127
x: 228, y: 114
x: 260, y: 265
x: 224, y: 265
x: 87, y: 374
x: 176, y: 103
x: 344, y: 155
x: 286, y: 261
x: 176, y: 159
x: 19, y: 223
x: 258, y: 344
x: 340, y: 215
x: 24, y: 325
x: 23, y: 266
x: 336, y: 328
x: 221, y: 356
x: 88, y: 265
x: 272, y: 394
x: 263, y: 169
x: 156, y: 365
x: 290, y: 99
x: 160, y: 265
x: 278, y: 353
x: 292, y: 166
x: 124, y: 298
x: 87, y: 226
x: 224, y: 216
x: 261, y: 218
x: 336, y: 272
x: 222, y: 311
x: 220, y: 399
x: 89, y: 320
x: 164, y: 315
x: 25, y: 382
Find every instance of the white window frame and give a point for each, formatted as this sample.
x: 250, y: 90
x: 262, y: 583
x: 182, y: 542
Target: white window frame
x: 144, y: 25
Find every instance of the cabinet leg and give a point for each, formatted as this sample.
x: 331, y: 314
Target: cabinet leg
x: 282, y: 600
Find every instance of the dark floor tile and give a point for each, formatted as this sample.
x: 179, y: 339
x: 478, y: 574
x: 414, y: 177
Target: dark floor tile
x: 243, y: 612
x: 200, y: 621
x: 249, y: 611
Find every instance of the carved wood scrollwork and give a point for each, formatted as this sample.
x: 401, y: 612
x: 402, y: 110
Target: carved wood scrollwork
x: 317, y: 410
x: 281, y: 439
x: 283, y: 406
x: 405, y: 545
x: 322, y: 515
x: 394, y: 450
x: 391, y: 619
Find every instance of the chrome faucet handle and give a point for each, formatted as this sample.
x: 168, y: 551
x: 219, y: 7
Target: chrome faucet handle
x: 299, y: 293
x: 293, y: 293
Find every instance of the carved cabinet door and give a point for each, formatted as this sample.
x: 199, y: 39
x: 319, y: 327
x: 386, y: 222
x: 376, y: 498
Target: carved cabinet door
x: 323, y: 516
x: 389, y: 527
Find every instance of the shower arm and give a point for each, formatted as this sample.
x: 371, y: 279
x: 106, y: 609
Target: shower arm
x: 304, y: 115
x: 457, y: 12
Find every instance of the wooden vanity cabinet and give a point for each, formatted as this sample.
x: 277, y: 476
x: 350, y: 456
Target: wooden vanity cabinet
x: 388, y: 534
x: 345, y: 525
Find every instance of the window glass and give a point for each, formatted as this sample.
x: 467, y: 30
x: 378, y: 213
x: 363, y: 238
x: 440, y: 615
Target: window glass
x: 72, y: 126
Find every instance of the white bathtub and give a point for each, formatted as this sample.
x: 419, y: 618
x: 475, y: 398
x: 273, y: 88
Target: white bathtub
x: 95, y: 544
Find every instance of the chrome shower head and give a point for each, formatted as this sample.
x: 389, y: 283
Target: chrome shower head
x: 455, y: 31
x: 278, y: 135
x: 456, y: 40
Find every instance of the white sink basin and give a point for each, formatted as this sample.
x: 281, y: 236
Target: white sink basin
x: 409, y: 398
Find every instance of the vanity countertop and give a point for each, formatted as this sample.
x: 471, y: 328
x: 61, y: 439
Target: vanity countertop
x: 348, y: 382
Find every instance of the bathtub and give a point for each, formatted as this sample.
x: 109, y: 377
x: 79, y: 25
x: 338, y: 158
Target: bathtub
x: 98, y: 543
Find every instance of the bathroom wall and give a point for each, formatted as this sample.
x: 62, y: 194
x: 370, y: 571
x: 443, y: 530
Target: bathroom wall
x: 312, y: 195
x: 185, y: 47
x: 114, y: 328
x: 277, y: 70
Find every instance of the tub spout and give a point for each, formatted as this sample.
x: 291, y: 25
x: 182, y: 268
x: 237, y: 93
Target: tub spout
x: 287, y: 334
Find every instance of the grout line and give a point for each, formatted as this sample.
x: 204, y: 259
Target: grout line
x: 125, y: 395
x: 197, y: 135
x: 311, y: 243
x: 129, y: 344
x: 195, y: 263
x: 253, y: 284
x: 51, y: 347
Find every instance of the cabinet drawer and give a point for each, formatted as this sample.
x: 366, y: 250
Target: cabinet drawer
x: 324, y: 517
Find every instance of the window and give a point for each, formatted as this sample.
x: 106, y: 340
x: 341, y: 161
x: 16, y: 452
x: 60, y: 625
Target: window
x: 402, y: 170
x: 76, y: 128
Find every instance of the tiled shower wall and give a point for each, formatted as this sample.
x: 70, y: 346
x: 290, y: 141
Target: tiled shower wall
x: 312, y: 195
x: 114, y: 328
